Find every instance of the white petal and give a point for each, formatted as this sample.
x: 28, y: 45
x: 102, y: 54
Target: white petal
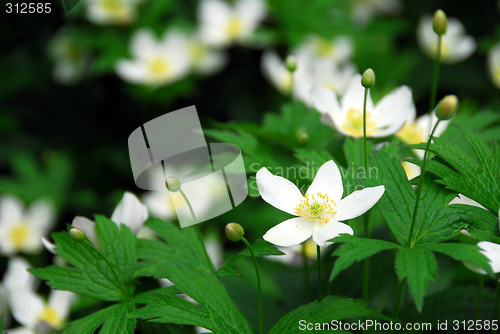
x: 11, y: 209
x: 164, y: 282
x: 88, y: 227
x: 131, y: 212
x: 492, y: 252
x: 275, y: 71
x: 160, y: 203
x: 17, y: 277
x: 394, y: 109
x: 327, y: 181
x: 278, y: 191
x: 61, y: 301
x: 426, y: 37
x: 411, y: 170
x: 251, y: 12
x: 143, y: 43
x: 454, y: 28
x: 131, y: 71
x: 41, y: 215
x: 462, y: 199
x: 212, y: 62
x: 20, y: 330
x: 51, y: 247
x: 358, y: 203
x: 354, y: 96
x: 25, y: 307
x: 325, y: 100
x: 291, y: 232
x: 322, y: 232
x: 460, y: 48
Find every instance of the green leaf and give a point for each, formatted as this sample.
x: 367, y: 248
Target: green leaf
x: 114, y: 320
x: 356, y: 249
x: 330, y: 308
x: 419, y: 265
x: 1, y: 323
x: 182, y: 245
x: 147, y: 297
x: 93, y: 275
x: 147, y: 268
x: 354, y: 151
x: 463, y: 252
x: 216, y: 312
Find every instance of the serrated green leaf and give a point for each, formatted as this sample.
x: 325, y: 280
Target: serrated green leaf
x: 356, y: 249
x: 419, y: 266
x: 228, y: 270
x: 217, y: 312
x: 93, y: 275
x: 330, y: 308
x: 147, y: 268
x: 354, y: 151
x: 114, y: 320
x: 147, y: 297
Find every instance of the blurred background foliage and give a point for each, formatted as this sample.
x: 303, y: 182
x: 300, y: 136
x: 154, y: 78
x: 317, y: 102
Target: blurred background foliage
x: 69, y: 142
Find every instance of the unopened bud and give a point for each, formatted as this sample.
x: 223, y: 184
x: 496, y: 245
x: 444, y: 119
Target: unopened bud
x: 447, y: 107
x: 291, y: 63
x: 77, y: 234
x: 302, y: 136
x: 173, y: 184
x: 368, y: 78
x: 439, y: 22
x: 234, y: 232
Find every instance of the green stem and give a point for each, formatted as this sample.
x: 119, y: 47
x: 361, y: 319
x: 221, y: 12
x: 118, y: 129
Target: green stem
x: 320, y: 281
x: 366, y: 277
x: 479, y: 300
x: 261, y: 324
x: 435, y: 78
x: 497, y: 303
x: 306, y: 273
x: 198, y: 233
x: 399, y: 297
x: 364, y: 128
x: 421, y: 182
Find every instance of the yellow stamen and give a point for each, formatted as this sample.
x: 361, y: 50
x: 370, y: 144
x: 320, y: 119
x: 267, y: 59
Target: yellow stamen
x: 234, y: 27
x: 324, y: 48
x: 285, y: 85
x: 196, y: 53
x: 49, y: 315
x: 354, y: 123
x: 112, y: 6
x: 411, y: 133
x: 316, y: 208
x: 19, y: 235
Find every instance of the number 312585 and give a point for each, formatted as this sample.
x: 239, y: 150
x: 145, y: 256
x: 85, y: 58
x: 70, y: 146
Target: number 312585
x: 25, y: 8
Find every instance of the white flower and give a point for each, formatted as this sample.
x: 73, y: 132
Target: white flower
x: 21, y: 230
x: 204, y: 60
x: 275, y: 71
x: 336, y: 50
x: 70, y: 58
x: 36, y: 316
x: 411, y: 170
x: 494, y: 64
x: 319, y: 212
x: 365, y: 10
x: 221, y: 23
x: 455, y: 45
x: 17, y: 277
x: 384, y: 119
x: 130, y: 212
x: 117, y: 12
x: 155, y: 62
x: 418, y: 131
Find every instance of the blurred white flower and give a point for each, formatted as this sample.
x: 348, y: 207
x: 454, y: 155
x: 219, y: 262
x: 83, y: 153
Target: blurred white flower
x: 384, y: 119
x: 17, y: 277
x: 21, y: 230
x: 222, y: 23
x: 155, y: 62
x: 320, y: 212
x: 37, y: 316
x: 455, y: 45
x: 494, y: 64
x: 365, y: 10
x: 416, y: 131
x: 112, y: 12
x: 337, y: 50
x: 204, y: 59
x: 130, y: 212
x: 275, y: 71
x: 69, y: 56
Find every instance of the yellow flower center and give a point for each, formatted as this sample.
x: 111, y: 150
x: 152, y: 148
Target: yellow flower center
x: 196, y: 53
x: 112, y: 6
x: 285, y: 85
x: 316, y: 208
x: 234, y: 27
x: 324, y: 48
x: 411, y: 133
x: 330, y: 86
x: 49, y: 315
x: 354, y: 123
x: 497, y: 74
x: 19, y: 235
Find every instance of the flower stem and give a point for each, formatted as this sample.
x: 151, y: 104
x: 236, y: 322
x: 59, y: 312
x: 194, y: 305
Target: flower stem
x: 399, y: 297
x: 479, y: 300
x: 435, y: 78
x: 307, y: 283
x: 261, y: 324
x: 366, y: 217
x: 364, y: 128
x: 497, y: 304
x: 320, y: 281
x: 421, y: 182
x: 198, y: 233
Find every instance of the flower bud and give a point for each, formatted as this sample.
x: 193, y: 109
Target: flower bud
x: 234, y: 232
x: 291, y: 63
x: 173, y: 184
x: 77, y: 235
x: 368, y: 78
x: 440, y: 22
x: 302, y: 136
x: 447, y: 107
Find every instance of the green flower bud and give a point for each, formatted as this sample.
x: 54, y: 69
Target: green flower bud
x: 302, y: 136
x: 368, y: 78
x: 77, y: 235
x: 173, y: 184
x: 234, y: 232
x: 447, y: 107
x: 440, y: 22
x: 291, y: 63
